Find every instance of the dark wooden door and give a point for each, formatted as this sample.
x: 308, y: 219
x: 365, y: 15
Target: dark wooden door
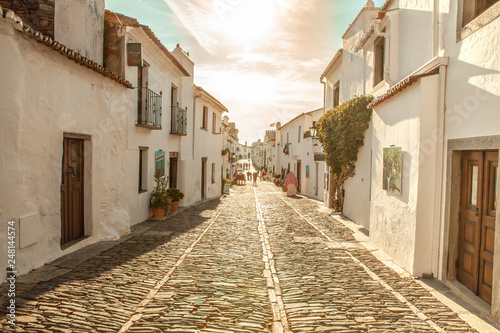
x: 173, y: 172
x: 477, y: 221
x: 203, y: 172
x: 299, y: 173
x: 72, y: 224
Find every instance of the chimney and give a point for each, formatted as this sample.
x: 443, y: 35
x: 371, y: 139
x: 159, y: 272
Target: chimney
x: 79, y: 24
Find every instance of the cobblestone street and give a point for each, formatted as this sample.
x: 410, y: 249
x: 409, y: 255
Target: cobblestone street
x: 253, y: 261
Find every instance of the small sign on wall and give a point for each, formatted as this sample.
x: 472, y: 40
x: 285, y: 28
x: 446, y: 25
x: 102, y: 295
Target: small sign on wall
x: 134, y: 54
x: 393, y: 170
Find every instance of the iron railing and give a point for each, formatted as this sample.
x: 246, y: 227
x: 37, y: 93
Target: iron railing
x: 149, y: 108
x: 179, y: 121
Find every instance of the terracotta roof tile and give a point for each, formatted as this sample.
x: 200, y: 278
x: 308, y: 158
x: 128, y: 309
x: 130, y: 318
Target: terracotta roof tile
x: 131, y: 22
x: 398, y: 87
x: 69, y: 53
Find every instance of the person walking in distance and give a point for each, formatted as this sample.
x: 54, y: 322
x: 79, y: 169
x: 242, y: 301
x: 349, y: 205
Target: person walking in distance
x: 255, y: 175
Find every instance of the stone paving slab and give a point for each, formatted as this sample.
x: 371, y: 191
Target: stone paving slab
x: 254, y: 261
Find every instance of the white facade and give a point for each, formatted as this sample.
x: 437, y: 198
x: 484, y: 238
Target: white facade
x: 437, y: 101
x: 152, y: 144
x: 45, y: 102
x: 209, y: 145
x: 302, y: 153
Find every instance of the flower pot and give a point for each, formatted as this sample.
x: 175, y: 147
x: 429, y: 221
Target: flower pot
x: 175, y: 206
x: 158, y: 213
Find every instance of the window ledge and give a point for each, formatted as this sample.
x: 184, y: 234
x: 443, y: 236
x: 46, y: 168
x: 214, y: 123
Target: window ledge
x: 203, y: 128
x: 483, y: 19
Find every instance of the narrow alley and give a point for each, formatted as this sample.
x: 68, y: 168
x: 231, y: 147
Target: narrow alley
x: 252, y: 261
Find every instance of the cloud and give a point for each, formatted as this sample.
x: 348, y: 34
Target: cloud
x: 261, y: 58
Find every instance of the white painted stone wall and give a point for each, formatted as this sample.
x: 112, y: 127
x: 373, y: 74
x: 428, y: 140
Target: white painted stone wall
x: 472, y: 99
x: 79, y: 24
x: 162, y: 74
x: 208, y: 145
x: 303, y: 151
x: 44, y: 95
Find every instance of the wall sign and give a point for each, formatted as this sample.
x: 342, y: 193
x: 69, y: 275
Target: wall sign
x: 319, y: 157
x: 134, y: 54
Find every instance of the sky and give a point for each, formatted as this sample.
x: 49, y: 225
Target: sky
x: 261, y: 58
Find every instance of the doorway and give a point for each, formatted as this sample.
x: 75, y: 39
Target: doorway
x: 172, y: 176
x: 477, y: 217
x: 299, y: 172
x: 72, y: 185
x: 203, y: 177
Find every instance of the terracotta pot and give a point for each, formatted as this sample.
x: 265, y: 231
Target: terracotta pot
x: 175, y: 206
x: 158, y: 213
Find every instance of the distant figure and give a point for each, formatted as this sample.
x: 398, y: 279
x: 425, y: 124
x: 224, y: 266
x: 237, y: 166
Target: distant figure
x: 291, y: 184
x: 255, y: 175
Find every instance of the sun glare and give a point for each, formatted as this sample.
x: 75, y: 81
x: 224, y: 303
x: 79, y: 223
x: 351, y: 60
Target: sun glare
x: 249, y: 21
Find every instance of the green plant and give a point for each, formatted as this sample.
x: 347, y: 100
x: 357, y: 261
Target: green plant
x: 159, y: 197
x: 175, y: 194
x: 342, y: 131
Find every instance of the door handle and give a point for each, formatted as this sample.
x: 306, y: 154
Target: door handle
x: 71, y: 170
x: 477, y: 211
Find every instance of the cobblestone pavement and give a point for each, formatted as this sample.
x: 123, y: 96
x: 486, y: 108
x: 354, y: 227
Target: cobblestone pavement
x: 254, y: 261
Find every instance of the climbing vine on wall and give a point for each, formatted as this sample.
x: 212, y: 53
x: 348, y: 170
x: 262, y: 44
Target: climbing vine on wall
x: 341, y: 130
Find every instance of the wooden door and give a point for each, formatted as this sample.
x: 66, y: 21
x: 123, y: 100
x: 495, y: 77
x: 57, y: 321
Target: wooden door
x: 488, y: 226
x: 203, y: 172
x: 173, y: 172
x: 72, y: 224
x: 477, y: 221
x: 299, y: 172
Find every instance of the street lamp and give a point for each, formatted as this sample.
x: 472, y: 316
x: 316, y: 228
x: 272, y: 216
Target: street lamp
x: 314, y: 130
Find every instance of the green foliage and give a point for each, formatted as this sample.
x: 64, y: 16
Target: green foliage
x: 342, y: 131
x: 159, y: 196
x: 175, y: 194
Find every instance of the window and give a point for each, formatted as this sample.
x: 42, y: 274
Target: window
x: 213, y: 173
x: 178, y: 123
x: 287, y: 138
x: 149, y: 102
x: 214, y: 123
x: 378, y: 68
x: 143, y: 169
x: 300, y: 130
x: 470, y: 16
x: 204, y: 124
x: 336, y: 94
x: 473, y: 8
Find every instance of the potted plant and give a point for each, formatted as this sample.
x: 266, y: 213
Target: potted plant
x: 159, y: 198
x: 175, y: 195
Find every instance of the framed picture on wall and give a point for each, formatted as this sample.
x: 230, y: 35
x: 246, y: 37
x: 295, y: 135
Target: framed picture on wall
x: 393, y: 170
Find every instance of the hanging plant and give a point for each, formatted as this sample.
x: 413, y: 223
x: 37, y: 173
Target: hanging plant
x: 342, y: 131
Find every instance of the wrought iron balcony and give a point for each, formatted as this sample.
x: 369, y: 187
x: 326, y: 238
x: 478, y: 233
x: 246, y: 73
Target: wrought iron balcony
x: 179, y: 121
x: 149, y: 108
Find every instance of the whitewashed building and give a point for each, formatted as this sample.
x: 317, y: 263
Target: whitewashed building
x: 159, y: 122
x: 208, y: 145
x: 433, y: 71
x: 301, y: 152
x: 64, y: 139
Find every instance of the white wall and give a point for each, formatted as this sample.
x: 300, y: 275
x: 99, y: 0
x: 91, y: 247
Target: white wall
x: 392, y: 217
x: 162, y: 74
x: 80, y: 26
x: 44, y: 95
